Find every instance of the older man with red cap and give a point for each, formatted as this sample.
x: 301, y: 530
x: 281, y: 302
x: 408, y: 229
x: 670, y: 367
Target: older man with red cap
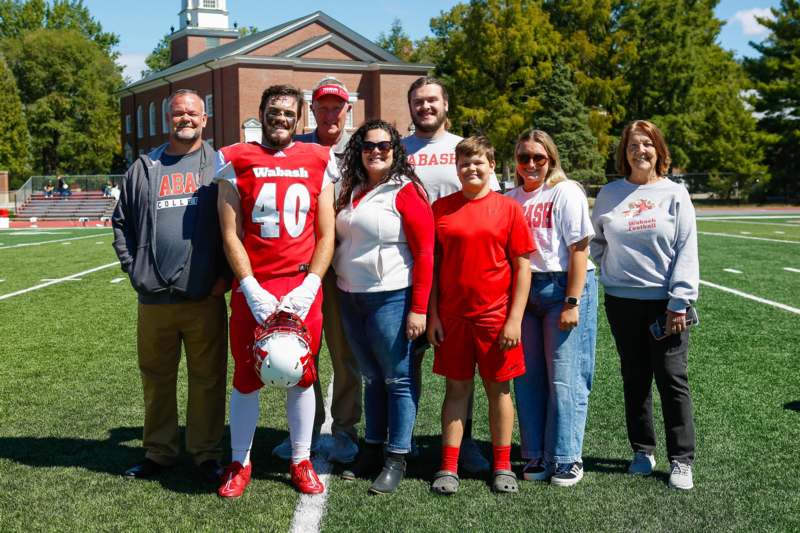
x: 330, y: 105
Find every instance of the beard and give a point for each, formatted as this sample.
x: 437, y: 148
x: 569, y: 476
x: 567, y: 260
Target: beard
x: 187, y: 135
x: 441, y: 117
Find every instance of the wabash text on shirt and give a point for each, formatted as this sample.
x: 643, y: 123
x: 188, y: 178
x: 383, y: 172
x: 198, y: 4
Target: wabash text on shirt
x: 539, y: 215
x: 425, y: 160
x: 177, y: 190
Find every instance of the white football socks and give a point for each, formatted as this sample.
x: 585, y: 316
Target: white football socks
x: 300, y: 409
x: 244, y: 418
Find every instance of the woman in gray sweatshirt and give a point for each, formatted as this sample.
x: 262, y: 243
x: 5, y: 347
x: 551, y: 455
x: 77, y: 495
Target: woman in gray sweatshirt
x: 646, y: 247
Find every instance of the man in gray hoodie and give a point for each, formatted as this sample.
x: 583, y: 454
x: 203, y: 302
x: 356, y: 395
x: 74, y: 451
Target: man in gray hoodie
x: 167, y: 238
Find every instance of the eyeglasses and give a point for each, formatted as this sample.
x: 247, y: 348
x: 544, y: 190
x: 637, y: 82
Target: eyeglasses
x: 383, y: 146
x: 538, y: 159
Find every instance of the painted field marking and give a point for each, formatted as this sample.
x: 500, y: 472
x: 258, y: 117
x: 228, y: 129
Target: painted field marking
x: 745, y: 233
x: 2, y: 280
x: 780, y: 232
x: 790, y: 224
x: 59, y: 280
x: 117, y: 280
x: 310, y: 508
x: 66, y: 243
x: 749, y: 217
x: 99, y: 242
x: 758, y: 299
x: 25, y: 244
x: 713, y: 234
x: 56, y: 279
x: 732, y: 270
x: 790, y: 269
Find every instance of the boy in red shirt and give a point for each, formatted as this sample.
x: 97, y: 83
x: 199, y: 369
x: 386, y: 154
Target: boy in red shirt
x: 480, y: 289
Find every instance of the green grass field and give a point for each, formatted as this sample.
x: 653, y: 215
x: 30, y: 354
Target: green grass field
x: 71, y: 415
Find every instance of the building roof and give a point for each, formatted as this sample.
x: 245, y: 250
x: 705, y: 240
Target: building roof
x: 355, y: 44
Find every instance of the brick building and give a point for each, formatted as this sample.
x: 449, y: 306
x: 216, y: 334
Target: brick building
x: 230, y: 72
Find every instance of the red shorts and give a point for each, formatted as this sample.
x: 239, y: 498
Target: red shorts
x: 243, y: 327
x: 466, y: 344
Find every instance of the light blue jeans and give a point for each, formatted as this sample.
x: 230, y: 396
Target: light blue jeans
x: 553, y: 395
x: 375, y: 324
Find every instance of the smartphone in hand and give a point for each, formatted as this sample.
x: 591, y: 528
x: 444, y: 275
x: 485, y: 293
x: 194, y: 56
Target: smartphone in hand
x: 659, y: 328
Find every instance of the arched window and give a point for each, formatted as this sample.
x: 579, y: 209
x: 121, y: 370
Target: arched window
x: 165, y: 115
x: 139, y: 122
x: 151, y: 119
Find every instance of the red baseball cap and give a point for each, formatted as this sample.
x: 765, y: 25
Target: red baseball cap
x: 333, y: 89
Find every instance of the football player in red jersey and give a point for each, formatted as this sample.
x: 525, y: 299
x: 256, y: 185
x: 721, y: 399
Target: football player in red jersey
x: 277, y: 219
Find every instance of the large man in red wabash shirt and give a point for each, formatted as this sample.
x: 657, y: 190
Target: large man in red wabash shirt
x: 277, y: 219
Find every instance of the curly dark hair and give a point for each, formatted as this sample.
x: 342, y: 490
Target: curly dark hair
x: 353, y: 172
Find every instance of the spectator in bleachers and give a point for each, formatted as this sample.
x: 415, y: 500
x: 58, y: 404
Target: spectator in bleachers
x: 48, y: 189
x: 63, y: 188
x: 107, y: 189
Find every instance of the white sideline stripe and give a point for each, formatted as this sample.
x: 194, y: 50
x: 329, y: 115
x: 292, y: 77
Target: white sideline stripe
x: 24, y: 244
x: 747, y: 217
x: 754, y: 222
x: 732, y: 270
x: 787, y: 269
x: 59, y: 280
x: 713, y: 234
x: 758, y: 299
x: 310, y: 508
x: 117, y: 280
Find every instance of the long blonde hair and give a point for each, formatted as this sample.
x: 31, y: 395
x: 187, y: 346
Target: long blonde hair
x: 555, y: 174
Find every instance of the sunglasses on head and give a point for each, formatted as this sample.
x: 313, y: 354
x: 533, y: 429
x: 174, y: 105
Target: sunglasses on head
x: 383, y: 146
x: 538, y: 159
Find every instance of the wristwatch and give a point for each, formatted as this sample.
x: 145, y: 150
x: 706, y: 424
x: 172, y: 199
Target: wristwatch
x: 571, y: 300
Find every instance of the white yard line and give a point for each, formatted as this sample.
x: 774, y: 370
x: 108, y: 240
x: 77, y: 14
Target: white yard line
x: 713, y: 234
x: 310, y: 509
x: 24, y: 244
x: 755, y: 222
x: 55, y: 281
x: 787, y: 269
x: 732, y: 270
x: 779, y: 305
x: 747, y: 217
x: 117, y: 280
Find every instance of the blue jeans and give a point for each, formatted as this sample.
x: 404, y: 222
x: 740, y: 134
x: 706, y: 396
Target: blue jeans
x: 553, y: 395
x: 375, y: 324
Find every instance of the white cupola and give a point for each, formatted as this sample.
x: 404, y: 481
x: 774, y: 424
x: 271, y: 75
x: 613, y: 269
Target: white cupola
x: 206, y: 14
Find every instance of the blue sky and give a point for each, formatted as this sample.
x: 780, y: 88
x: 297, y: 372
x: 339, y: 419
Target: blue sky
x: 141, y: 24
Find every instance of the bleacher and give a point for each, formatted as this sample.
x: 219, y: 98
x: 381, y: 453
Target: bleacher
x: 87, y: 205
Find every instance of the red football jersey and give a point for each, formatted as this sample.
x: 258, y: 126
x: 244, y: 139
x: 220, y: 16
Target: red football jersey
x: 476, y: 243
x: 278, y: 190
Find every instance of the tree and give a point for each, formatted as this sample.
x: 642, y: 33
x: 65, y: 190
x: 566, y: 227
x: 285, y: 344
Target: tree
x: 160, y: 58
x: 565, y: 118
x: 776, y: 74
x: 397, y: 41
x: 21, y: 16
x: 14, y: 139
x: 68, y: 87
x: 493, y: 63
x: 687, y: 84
x: 595, y: 49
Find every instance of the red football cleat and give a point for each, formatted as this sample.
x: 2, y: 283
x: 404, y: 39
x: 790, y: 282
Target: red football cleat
x: 234, y: 480
x: 305, y: 478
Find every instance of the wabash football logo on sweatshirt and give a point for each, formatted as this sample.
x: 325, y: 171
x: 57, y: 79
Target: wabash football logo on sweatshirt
x: 177, y: 190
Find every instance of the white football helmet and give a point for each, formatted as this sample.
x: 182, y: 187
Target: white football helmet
x: 282, y: 351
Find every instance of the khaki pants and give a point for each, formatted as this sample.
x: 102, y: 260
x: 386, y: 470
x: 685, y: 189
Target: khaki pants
x: 346, y: 401
x: 202, y: 328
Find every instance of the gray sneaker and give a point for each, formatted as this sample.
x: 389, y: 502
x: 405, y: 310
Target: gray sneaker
x: 284, y: 449
x: 471, y: 458
x: 680, y: 476
x: 343, y: 449
x: 642, y: 464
